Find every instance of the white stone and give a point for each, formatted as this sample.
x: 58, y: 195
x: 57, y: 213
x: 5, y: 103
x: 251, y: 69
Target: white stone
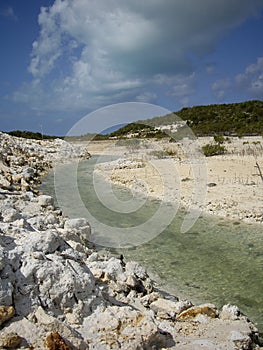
x: 46, y: 242
x: 133, y: 268
x: 45, y: 200
x: 10, y: 214
x: 230, y: 312
x: 80, y: 226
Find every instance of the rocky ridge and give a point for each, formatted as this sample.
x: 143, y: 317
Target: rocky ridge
x: 58, y: 293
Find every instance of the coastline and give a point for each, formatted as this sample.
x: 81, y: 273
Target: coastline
x: 56, y: 290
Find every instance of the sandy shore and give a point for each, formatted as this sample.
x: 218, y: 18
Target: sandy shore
x: 226, y: 185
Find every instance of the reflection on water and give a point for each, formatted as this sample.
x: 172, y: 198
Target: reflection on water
x: 216, y: 261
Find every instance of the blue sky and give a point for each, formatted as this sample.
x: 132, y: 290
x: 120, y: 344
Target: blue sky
x: 61, y: 60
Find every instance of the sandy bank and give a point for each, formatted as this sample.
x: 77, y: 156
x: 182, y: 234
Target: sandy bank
x: 231, y: 185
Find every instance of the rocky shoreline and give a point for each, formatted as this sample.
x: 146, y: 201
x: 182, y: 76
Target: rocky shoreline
x: 56, y: 292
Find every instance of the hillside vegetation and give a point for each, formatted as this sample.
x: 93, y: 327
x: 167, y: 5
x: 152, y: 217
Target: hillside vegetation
x: 244, y: 118
x: 30, y: 135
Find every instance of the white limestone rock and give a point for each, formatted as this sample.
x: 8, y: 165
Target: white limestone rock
x: 10, y: 214
x: 122, y: 328
x: 79, y: 226
x: 166, y: 308
x: 46, y: 242
x: 45, y: 200
x: 133, y: 268
x: 229, y: 312
x: 57, y: 282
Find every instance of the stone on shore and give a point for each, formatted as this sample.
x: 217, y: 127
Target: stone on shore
x: 6, y: 312
x: 79, y: 226
x: 204, y: 309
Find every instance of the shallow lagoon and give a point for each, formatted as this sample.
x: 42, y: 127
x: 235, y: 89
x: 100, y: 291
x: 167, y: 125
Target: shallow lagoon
x: 217, y: 260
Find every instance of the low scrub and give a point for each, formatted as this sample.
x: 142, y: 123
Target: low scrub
x: 211, y: 149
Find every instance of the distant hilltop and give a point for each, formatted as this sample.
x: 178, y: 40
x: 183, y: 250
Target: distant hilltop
x: 233, y: 119
x: 238, y: 119
x: 245, y: 118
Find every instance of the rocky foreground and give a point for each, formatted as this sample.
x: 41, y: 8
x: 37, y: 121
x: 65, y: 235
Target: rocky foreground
x: 56, y: 293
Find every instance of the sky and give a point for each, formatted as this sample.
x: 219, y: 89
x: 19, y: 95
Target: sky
x: 61, y: 60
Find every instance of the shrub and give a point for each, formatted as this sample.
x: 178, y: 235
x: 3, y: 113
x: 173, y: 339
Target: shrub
x: 163, y: 153
x: 211, y: 149
x: 219, y: 139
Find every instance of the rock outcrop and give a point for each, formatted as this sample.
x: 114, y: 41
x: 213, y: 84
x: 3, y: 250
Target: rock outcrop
x: 56, y: 293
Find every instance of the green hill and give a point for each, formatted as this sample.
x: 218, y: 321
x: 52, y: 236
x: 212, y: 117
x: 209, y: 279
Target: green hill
x: 244, y: 118
x: 30, y: 135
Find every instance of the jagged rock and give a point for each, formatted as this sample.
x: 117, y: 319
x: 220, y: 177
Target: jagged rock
x: 6, y: 312
x: 28, y: 173
x: 4, y: 183
x: 58, y: 282
x: 122, y: 328
x: 16, y: 178
x: 45, y: 201
x: 10, y: 214
x: 229, y: 312
x: 133, y: 268
x: 52, y: 324
x: 113, y: 267
x: 241, y: 340
x: 24, y: 185
x: 46, y: 242
x: 147, y: 299
x: 10, y: 341
x: 54, y: 341
x: 204, y: 309
x: 80, y: 226
x: 165, y: 308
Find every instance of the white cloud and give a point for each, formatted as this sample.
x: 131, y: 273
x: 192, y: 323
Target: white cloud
x: 92, y: 53
x: 220, y: 88
x: 183, y: 85
x: 252, y: 79
x: 147, y: 97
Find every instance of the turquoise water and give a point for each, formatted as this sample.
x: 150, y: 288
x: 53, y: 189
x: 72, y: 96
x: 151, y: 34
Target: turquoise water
x: 216, y: 261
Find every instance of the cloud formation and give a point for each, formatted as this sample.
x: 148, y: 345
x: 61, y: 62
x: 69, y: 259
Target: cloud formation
x: 90, y: 54
x: 252, y: 79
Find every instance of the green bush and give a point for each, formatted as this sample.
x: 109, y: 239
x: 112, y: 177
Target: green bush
x: 219, y: 139
x: 163, y: 153
x: 211, y: 149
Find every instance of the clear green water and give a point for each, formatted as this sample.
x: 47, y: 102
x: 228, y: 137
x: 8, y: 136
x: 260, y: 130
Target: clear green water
x: 216, y: 261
